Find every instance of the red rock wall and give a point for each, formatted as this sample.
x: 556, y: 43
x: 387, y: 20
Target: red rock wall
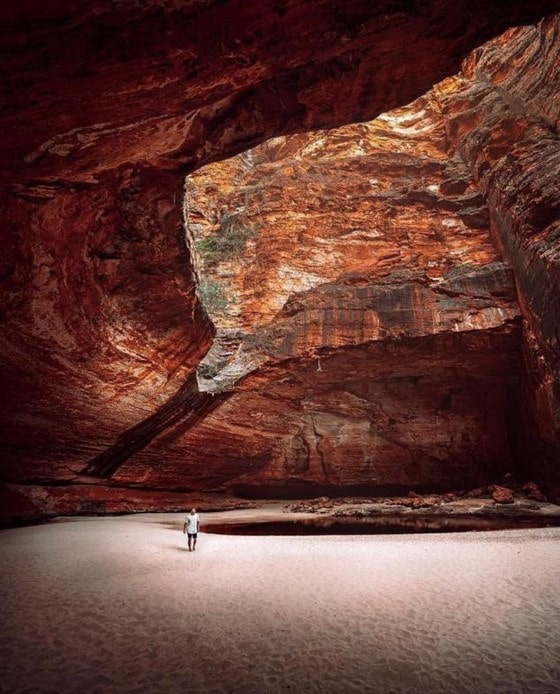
x: 92, y: 87
x: 362, y: 200
x: 502, y: 119
x: 417, y: 413
x: 101, y: 326
x: 364, y: 294
x: 105, y: 108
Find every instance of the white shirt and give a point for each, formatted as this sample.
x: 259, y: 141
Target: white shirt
x: 192, y: 523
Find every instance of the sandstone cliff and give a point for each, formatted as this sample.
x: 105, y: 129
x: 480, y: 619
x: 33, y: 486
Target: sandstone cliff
x: 365, y: 253
x: 341, y: 270
x: 502, y: 118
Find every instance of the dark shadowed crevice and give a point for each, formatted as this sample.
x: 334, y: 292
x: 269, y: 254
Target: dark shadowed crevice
x: 187, y: 406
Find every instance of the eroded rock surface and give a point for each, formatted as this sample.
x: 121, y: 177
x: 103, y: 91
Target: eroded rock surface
x: 363, y: 316
x: 319, y: 241
x: 504, y: 129
x: 502, y: 118
x: 94, y: 87
x: 102, y: 331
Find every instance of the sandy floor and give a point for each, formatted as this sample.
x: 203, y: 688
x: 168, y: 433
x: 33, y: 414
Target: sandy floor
x: 119, y: 605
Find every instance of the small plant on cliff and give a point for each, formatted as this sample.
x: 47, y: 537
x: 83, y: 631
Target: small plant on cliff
x: 207, y: 249
x: 228, y: 242
x: 212, y: 296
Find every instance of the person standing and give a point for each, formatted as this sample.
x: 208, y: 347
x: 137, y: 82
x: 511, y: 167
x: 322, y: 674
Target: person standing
x: 190, y: 527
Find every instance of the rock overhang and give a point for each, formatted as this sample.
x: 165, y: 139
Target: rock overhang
x: 92, y: 350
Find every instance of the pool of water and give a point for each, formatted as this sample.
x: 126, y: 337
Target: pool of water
x: 386, y: 525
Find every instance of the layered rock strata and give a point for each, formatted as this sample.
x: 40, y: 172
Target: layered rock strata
x: 93, y: 88
x: 356, y: 293
x: 502, y: 118
x: 102, y: 330
x: 375, y: 212
x: 306, y: 307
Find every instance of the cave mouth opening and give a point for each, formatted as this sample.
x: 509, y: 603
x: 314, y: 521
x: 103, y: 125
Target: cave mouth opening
x: 372, y: 335
x: 367, y: 329
x: 364, y: 317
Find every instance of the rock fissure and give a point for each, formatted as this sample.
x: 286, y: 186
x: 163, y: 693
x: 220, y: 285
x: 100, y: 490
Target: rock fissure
x: 180, y: 413
x: 319, y: 452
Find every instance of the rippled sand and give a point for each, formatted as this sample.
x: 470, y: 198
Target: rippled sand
x: 119, y: 605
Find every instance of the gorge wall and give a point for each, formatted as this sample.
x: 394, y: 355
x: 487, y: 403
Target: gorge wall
x: 503, y: 121
x: 380, y: 347
x: 356, y: 294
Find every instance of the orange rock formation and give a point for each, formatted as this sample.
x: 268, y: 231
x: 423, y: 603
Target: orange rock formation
x: 364, y: 301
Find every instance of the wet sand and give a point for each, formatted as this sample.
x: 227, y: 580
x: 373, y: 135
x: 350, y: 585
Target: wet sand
x: 119, y: 605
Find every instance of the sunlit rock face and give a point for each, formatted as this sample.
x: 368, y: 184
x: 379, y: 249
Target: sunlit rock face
x: 356, y: 294
x: 383, y: 350
x: 336, y: 238
x: 102, y: 329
